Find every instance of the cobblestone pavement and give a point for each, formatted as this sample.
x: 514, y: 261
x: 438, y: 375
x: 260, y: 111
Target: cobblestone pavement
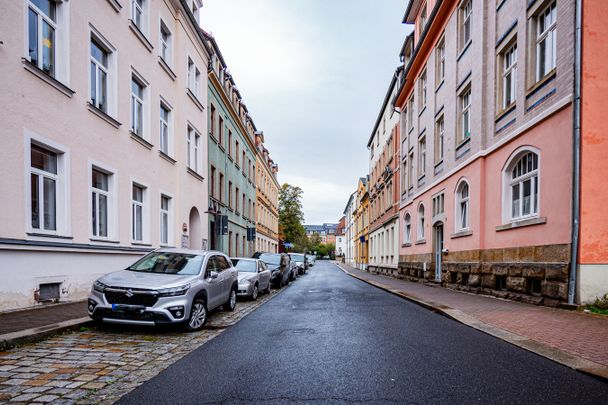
x: 102, y: 363
x: 573, y: 332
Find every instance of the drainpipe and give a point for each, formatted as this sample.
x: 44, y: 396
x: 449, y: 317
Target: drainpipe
x: 576, y: 186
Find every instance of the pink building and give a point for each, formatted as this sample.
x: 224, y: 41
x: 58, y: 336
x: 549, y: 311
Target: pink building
x: 487, y: 149
x: 104, y: 140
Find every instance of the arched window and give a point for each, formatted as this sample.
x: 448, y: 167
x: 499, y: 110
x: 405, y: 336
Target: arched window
x: 462, y: 206
x: 407, y: 228
x: 522, y: 189
x: 420, y: 222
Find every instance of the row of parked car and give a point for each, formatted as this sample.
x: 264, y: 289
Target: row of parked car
x: 179, y: 286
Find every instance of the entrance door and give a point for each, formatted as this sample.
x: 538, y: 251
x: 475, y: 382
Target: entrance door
x: 438, y: 250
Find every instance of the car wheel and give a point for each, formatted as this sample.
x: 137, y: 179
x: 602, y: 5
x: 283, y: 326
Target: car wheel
x: 267, y: 291
x: 198, y: 315
x: 231, y: 304
x: 254, y: 293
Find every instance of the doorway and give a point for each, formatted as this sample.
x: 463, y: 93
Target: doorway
x: 438, y: 236
x: 195, y: 239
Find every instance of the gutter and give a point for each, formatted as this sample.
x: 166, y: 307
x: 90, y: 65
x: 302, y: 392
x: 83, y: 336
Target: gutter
x: 576, y: 135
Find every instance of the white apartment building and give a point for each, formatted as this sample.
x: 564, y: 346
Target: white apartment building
x: 349, y: 253
x: 104, y: 151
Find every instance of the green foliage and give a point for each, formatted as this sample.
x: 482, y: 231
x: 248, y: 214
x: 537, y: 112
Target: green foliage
x: 291, y: 217
x: 601, y: 302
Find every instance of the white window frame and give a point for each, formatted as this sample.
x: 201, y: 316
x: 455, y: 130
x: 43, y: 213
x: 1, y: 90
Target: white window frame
x: 421, y: 221
x: 144, y: 9
x: 165, y: 48
x: 145, y: 209
x: 464, y: 106
x: 168, y: 125
x: 170, y: 219
x: 422, y: 155
x: 194, y: 147
x: 462, y: 224
x: 550, y: 35
x: 62, y: 185
x: 422, y: 93
x: 407, y: 228
x: 111, y: 70
x: 509, y: 182
x: 194, y: 79
x: 439, y: 139
x: 110, y: 197
x: 466, y: 11
x: 509, y: 75
x: 440, y: 61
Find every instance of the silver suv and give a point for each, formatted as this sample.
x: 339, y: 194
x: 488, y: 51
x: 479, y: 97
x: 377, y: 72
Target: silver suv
x: 166, y: 286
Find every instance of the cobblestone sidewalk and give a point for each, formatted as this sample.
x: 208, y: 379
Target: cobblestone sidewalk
x: 579, y: 335
x: 100, y: 364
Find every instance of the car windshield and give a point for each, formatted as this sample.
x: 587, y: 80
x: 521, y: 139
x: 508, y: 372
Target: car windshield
x: 169, y: 263
x: 270, y: 258
x: 296, y: 257
x: 246, y: 266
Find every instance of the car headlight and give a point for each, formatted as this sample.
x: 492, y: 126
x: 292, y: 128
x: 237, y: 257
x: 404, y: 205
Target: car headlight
x: 173, y: 291
x: 99, y: 286
x: 244, y: 282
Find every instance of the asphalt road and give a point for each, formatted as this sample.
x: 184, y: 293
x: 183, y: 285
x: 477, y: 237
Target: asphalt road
x: 329, y: 338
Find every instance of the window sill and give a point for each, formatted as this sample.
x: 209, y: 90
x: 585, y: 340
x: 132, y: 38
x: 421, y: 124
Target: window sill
x: 221, y: 146
x: 505, y: 111
x: 541, y: 83
x: 49, y: 235
x: 167, y: 68
x: 140, y: 140
x: 140, y: 35
x: 167, y: 157
x: 522, y: 223
x: 464, y: 50
x: 135, y: 243
x: 195, y: 100
x: 420, y: 242
x: 116, y: 5
x: 461, y: 234
x: 440, y: 85
x: 104, y: 240
x: 103, y: 115
x: 407, y: 244
x: 195, y: 175
x: 45, y: 77
x: 422, y: 110
x: 230, y: 157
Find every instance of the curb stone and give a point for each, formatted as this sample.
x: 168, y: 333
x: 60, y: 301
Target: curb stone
x: 566, y: 359
x: 10, y: 340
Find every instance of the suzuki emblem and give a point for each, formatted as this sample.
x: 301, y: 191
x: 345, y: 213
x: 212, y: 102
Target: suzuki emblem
x: 129, y: 293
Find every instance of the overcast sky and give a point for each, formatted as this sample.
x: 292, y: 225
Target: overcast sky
x: 313, y: 74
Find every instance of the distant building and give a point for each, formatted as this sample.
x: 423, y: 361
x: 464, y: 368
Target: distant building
x: 267, y: 208
x: 361, y: 219
x: 327, y: 232
x: 351, y: 205
x: 341, y: 237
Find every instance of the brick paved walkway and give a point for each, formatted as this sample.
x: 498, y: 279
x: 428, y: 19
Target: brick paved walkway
x: 576, y: 333
x: 41, y: 316
x: 100, y: 364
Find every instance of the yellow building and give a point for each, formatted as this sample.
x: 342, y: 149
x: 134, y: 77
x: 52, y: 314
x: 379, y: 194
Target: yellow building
x: 267, y: 198
x: 361, y: 217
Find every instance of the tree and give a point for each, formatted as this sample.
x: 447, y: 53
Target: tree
x: 291, y: 216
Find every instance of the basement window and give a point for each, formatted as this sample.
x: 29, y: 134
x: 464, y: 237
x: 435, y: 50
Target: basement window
x: 465, y: 279
x: 533, y: 286
x: 49, y: 292
x: 501, y: 283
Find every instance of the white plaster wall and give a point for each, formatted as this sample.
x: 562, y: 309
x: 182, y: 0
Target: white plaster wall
x: 592, y: 282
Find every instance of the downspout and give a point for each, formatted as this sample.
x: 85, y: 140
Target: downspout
x: 576, y: 186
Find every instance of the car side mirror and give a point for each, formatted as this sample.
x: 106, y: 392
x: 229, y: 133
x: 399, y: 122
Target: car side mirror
x: 213, y: 275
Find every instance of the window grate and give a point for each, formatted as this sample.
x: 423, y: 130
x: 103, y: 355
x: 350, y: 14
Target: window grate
x: 49, y: 292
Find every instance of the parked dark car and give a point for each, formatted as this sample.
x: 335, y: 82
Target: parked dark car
x: 280, y: 268
x: 300, y: 261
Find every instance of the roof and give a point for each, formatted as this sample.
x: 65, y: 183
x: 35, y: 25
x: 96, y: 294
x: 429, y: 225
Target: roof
x: 385, y: 103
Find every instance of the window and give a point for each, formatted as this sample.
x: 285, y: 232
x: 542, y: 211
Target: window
x: 165, y: 43
x: 243, y: 204
x: 194, y: 79
x: 212, y: 182
x: 440, y: 62
x: 421, y: 156
x: 44, y: 178
x: 407, y: 228
x: 99, y: 76
x: 137, y: 13
x: 410, y: 172
x: 221, y: 188
x: 462, y: 206
x: 546, y: 41
x: 230, y: 143
x: 421, y: 222
x: 243, y: 161
x: 165, y: 132
x: 137, y: 218
x: 237, y: 153
x: 193, y: 143
x: 466, y: 8
x: 42, y: 27
x: 230, y: 194
x: 137, y: 107
x: 165, y: 203
x: 439, y: 139
x: 212, y: 120
x: 523, y: 186
x: 220, y: 137
x: 422, y: 91
x: 100, y: 196
x: 465, y: 115
x: 423, y: 17
x: 509, y: 76
x: 438, y: 205
x: 410, y: 114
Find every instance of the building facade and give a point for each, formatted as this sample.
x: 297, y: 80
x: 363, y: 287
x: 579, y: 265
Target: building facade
x: 103, y: 165
x: 267, y: 207
x: 486, y: 148
x: 231, y: 163
x: 351, y: 206
x: 361, y: 223
x: 326, y: 232
x: 384, y: 191
x: 341, y: 237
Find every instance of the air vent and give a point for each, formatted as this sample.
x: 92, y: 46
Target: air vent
x: 49, y: 292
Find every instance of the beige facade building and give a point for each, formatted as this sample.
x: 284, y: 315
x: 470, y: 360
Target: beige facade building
x: 267, y: 199
x: 104, y: 148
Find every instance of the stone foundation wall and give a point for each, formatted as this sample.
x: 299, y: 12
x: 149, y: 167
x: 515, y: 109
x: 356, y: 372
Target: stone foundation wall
x: 532, y: 274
